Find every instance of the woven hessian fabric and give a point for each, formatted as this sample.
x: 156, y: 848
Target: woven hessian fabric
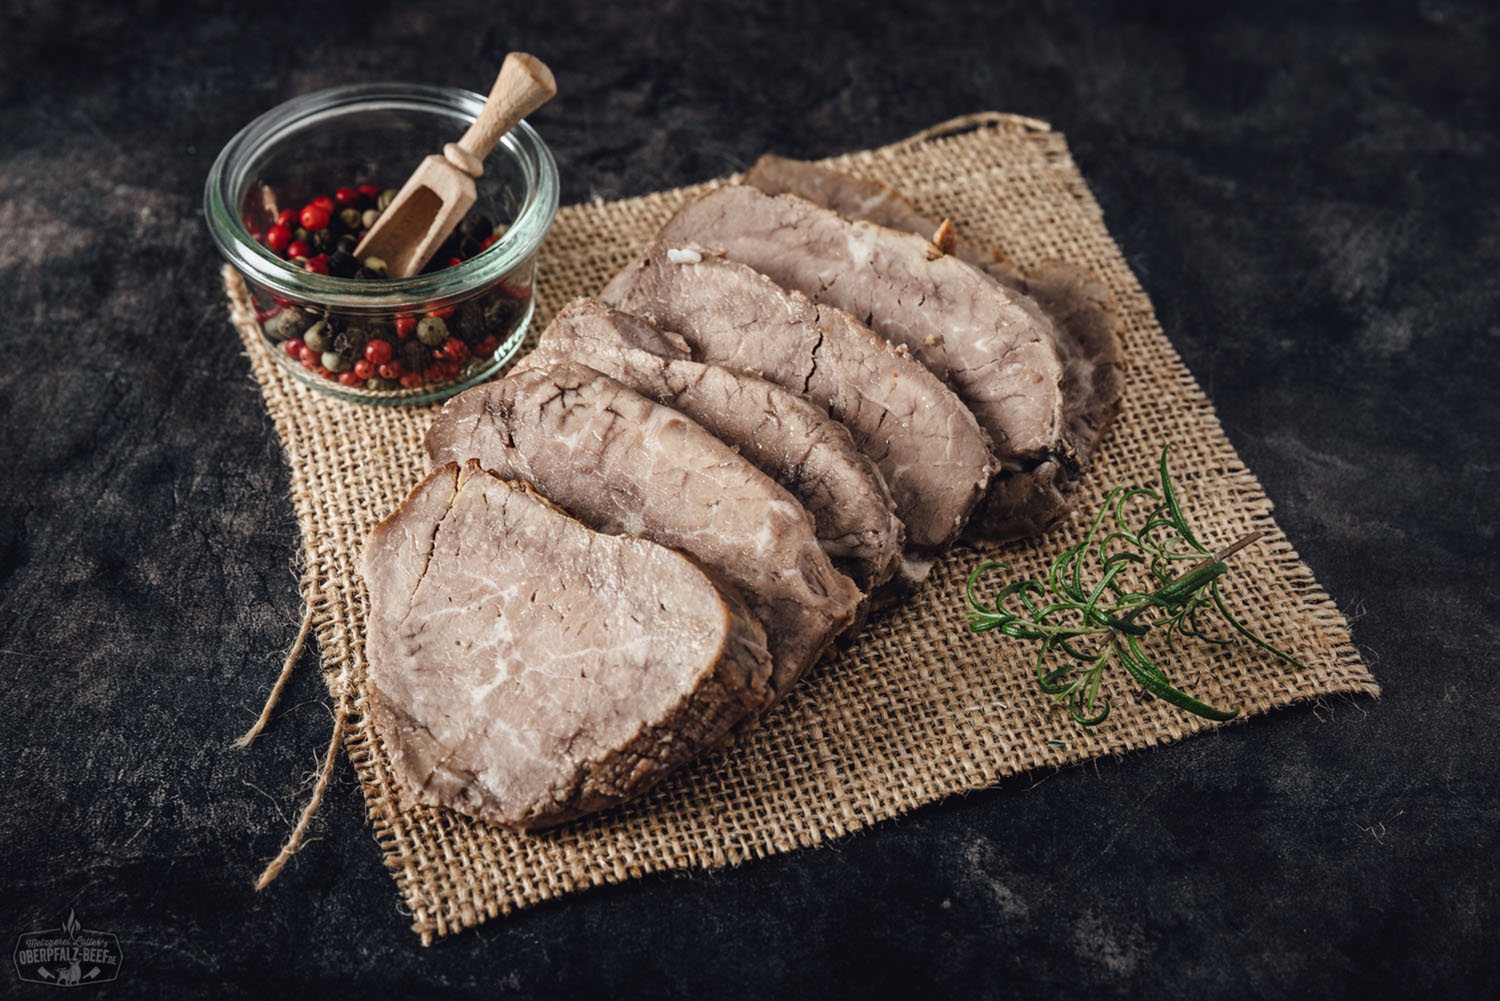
x: 918, y: 708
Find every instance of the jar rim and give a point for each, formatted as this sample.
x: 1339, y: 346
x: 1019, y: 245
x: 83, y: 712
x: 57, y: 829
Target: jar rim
x: 514, y: 248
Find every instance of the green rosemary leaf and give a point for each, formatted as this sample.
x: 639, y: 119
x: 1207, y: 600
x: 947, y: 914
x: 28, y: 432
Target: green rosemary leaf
x: 1244, y: 630
x: 1150, y: 677
x: 1105, y: 594
x: 1169, y: 498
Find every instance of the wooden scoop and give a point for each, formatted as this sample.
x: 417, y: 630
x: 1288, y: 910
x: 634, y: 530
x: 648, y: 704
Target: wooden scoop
x: 441, y: 189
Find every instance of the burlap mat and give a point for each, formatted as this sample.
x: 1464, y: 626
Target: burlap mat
x: 918, y: 709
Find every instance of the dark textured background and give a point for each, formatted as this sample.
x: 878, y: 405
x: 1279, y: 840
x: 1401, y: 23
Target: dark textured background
x: 1308, y: 192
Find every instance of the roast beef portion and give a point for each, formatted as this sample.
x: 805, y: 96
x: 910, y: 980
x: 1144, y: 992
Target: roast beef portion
x: 1082, y: 310
x: 995, y: 349
x: 935, y: 457
x: 787, y: 436
x: 526, y: 669
x: 851, y: 197
x: 621, y: 463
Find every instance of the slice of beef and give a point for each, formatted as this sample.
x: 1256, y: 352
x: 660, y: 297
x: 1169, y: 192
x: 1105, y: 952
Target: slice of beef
x: 1083, y: 313
x: 934, y: 455
x: 526, y: 669
x: 621, y: 463
x: 787, y: 436
x: 851, y: 197
x: 995, y: 349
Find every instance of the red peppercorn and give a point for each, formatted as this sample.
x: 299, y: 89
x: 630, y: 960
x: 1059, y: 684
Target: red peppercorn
x: 441, y: 314
x: 317, y: 265
x: 405, y: 326
x: 294, y: 347
x: 518, y: 292
x: 351, y: 380
x: 325, y: 203
x: 370, y: 191
x: 486, y: 347
x: 392, y: 370
x: 378, y: 352
x: 315, y: 217
x: 452, y: 261
x: 325, y: 373
x: 298, y: 248
x: 287, y: 218
x: 363, y: 369
x: 411, y: 380
x: 455, y: 350
x: 308, y: 356
x: 346, y: 196
x: 277, y: 237
x: 489, y: 241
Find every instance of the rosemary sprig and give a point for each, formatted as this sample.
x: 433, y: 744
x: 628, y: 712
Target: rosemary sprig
x: 1088, y: 623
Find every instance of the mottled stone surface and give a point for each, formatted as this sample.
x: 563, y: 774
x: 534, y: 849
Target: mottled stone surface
x: 1307, y: 191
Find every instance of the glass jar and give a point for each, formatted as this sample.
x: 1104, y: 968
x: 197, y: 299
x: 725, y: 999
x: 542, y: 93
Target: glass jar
x: 376, y: 134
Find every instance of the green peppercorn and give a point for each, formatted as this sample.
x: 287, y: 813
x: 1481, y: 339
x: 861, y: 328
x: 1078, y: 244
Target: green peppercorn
x: 351, y: 217
x: 287, y: 324
x: 375, y: 264
x: 317, y: 337
x: 378, y: 384
x: 335, y: 362
x: 369, y: 217
x: 386, y: 197
x: 432, y: 331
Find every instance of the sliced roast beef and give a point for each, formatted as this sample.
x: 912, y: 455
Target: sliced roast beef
x: 933, y: 453
x: 1082, y: 310
x: 621, y: 463
x: 995, y: 349
x: 851, y: 197
x: 526, y: 669
x: 787, y: 436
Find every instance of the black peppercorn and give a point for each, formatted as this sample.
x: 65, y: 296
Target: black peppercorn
x: 468, y: 323
x: 342, y: 264
x: 476, y: 226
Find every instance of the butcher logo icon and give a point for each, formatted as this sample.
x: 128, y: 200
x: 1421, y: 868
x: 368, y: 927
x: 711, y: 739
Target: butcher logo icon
x: 70, y: 956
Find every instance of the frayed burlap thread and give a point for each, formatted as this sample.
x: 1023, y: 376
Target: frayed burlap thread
x: 917, y: 709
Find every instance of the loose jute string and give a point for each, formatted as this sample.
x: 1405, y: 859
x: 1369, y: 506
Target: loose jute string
x: 293, y: 842
x: 915, y: 708
x: 248, y: 737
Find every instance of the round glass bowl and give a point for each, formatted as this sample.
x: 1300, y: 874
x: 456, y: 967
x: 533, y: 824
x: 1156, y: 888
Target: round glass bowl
x: 375, y: 135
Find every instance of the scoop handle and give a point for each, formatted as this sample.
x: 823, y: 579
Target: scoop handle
x: 524, y: 84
